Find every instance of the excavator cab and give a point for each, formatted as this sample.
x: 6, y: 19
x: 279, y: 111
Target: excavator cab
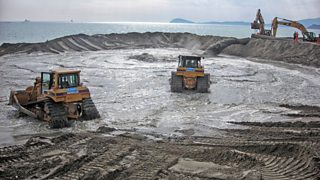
x: 309, y: 36
x: 267, y: 32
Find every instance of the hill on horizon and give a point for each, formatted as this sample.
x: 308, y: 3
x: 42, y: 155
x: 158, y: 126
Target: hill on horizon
x: 306, y: 22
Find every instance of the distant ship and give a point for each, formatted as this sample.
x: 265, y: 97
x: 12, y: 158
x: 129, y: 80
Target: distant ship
x: 26, y: 20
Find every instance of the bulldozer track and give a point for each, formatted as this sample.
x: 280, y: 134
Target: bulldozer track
x: 10, y: 149
x: 89, y: 110
x: 57, y: 113
x: 203, y: 83
x: 176, y: 83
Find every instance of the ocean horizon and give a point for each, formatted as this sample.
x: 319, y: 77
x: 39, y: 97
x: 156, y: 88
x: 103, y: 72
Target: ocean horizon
x: 41, y: 31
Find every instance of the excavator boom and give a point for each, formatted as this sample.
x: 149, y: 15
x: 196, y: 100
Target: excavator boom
x: 307, y: 36
x: 258, y: 23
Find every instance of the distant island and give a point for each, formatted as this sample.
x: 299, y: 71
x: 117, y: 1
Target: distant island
x: 180, y: 20
x: 228, y: 22
x: 310, y: 23
x: 314, y: 26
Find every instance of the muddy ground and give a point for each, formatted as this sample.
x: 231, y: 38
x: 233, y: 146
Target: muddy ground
x: 254, y: 153
x: 259, y: 121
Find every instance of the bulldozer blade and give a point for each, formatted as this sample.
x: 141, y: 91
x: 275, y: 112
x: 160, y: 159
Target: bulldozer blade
x: 13, y: 100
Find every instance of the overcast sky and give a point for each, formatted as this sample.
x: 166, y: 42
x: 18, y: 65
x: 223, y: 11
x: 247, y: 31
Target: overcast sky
x: 155, y: 10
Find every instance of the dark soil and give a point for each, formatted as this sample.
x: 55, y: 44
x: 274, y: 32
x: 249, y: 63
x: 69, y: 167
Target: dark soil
x: 254, y: 153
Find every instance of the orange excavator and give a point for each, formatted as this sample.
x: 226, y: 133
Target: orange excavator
x: 258, y: 23
x: 307, y: 36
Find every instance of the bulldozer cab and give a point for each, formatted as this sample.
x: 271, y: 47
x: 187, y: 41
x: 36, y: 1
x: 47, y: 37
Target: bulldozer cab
x: 59, y: 79
x: 62, y: 85
x: 190, y: 61
x: 46, y: 81
x: 68, y: 80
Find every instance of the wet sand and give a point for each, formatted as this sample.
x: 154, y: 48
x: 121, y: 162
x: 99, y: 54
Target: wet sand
x: 259, y: 121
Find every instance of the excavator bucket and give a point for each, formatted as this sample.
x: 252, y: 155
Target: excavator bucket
x: 255, y: 25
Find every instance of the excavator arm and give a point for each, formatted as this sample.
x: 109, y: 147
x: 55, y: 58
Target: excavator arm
x: 308, y: 36
x: 258, y: 23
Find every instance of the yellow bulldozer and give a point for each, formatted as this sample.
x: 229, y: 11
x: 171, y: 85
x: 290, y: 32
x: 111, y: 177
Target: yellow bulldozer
x: 190, y: 75
x: 56, y: 97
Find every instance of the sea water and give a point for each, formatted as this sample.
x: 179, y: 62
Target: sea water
x: 16, y: 32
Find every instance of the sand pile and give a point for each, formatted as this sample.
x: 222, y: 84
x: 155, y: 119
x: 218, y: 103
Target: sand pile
x: 281, y: 50
x: 273, y: 49
x: 82, y: 42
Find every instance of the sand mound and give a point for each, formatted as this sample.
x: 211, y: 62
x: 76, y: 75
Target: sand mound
x: 146, y: 57
x: 82, y: 42
x: 274, y: 49
x: 281, y: 50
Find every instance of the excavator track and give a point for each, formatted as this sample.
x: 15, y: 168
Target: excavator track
x: 176, y: 83
x: 89, y: 110
x: 57, y: 114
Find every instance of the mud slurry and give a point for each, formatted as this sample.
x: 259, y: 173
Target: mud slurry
x: 241, y: 154
x: 196, y: 141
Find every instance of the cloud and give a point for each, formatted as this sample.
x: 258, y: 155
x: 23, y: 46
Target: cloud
x: 156, y: 10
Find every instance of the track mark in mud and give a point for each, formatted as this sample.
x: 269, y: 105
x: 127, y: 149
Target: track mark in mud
x: 240, y: 75
x: 295, y: 124
x: 274, y: 161
x: 134, y: 156
x: 305, y: 110
x: 241, y: 80
x: 22, y: 68
x: 150, y: 165
x: 10, y: 149
x: 277, y: 167
x: 102, y: 166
